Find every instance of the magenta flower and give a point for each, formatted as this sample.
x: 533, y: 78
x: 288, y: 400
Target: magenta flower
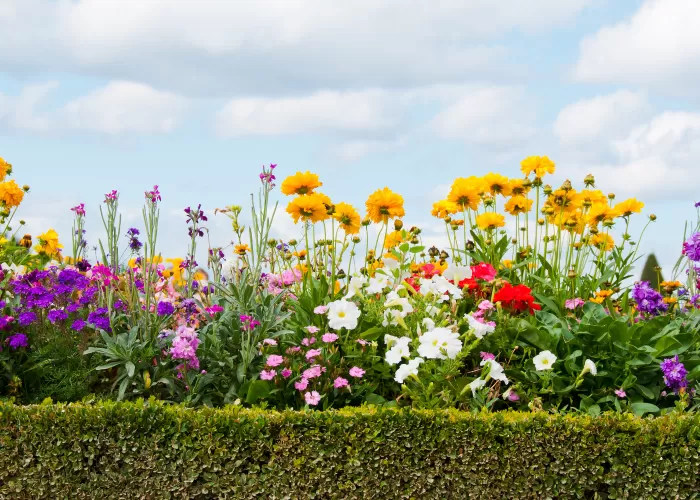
x: 111, y: 196
x: 329, y: 338
x: 320, y: 309
x: 362, y: 342
x: 308, y: 341
x: 312, y: 354
x: 301, y: 385
x: 293, y: 350
x: 487, y: 356
x: 573, y: 304
x: 356, y: 372
x: 312, y: 398
x: 340, y: 382
x: 268, y: 374
x: 154, y: 195
x: 274, y: 360
x: 620, y: 393
x: 286, y: 373
x: 79, y: 210
x: 213, y: 310
x: 313, y: 372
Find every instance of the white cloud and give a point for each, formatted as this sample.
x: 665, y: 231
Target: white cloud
x: 659, y: 47
x: 268, y: 46
x: 124, y: 107
x: 589, y: 120
x: 489, y: 116
x: 20, y: 112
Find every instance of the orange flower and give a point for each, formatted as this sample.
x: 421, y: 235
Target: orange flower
x: 383, y: 205
x: 348, y: 218
x: 300, y: 183
x: 308, y: 207
x: 393, y: 239
x: 628, y: 207
x: 539, y: 165
x: 443, y: 208
x: 603, y: 241
x: 490, y: 221
x: 518, y: 205
x: 11, y: 194
x: 464, y: 194
x: 497, y: 184
x: 5, y: 168
x: 600, y: 212
x: 241, y: 249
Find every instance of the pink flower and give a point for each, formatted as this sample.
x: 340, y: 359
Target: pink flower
x: 290, y: 276
x: 269, y: 342
x: 513, y: 396
x: 320, y: 309
x: 362, y: 342
x: 267, y: 374
x: 329, y: 337
x: 301, y: 384
x: 274, y: 360
x: 356, y: 372
x: 286, y: 373
x: 485, y: 305
x: 308, y: 341
x: 620, y: 393
x: 293, y: 350
x: 312, y: 354
x: 487, y: 356
x: 573, y: 304
x: 340, y: 382
x: 313, y: 372
x: 312, y: 398
x: 213, y: 310
x: 312, y: 329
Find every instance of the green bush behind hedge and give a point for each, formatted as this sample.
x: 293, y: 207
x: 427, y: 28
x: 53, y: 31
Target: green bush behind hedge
x: 152, y: 450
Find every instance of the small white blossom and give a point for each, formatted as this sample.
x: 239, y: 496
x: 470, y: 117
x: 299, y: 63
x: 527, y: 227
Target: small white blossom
x: 544, y: 361
x: 480, y: 329
x: 355, y: 286
x: 398, y: 349
x: 429, y: 324
x: 377, y: 284
x: 589, y: 367
x: 440, y: 343
x: 408, y: 369
x: 496, y: 370
x: 476, y: 385
x: 343, y: 314
x: 457, y: 273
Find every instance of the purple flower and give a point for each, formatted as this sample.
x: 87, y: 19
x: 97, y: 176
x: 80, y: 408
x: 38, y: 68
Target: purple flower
x: 648, y: 300
x: 17, y: 340
x: 2, y: 304
x: 674, y: 374
x: 165, y: 308
x: 72, y: 307
x: 620, y: 393
x: 79, y: 210
x: 513, y: 396
x: 134, y: 243
x: 691, y: 248
x: 154, y: 195
x: 487, y: 356
x: 57, y: 315
x: 111, y: 196
x: 27, y: 318
x: 697, y: 205
x: 78, y: 325
x: 99, y: 319
x: 5, y: 320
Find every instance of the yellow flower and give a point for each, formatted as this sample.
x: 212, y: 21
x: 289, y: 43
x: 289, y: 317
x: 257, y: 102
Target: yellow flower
x: 628, y: 207
x: 383, y: 205
x: 440, y: 265
x: 393, y: 239
x: 597, y: 300
x: 589, y: 197
x: 48, y: 244
x: 308, y: 207
x: 604, y: 293
x: 561, y: 199
x: 569, y: 221
x: 300, y: 254
x: 348, y: 218
x: 241, y: 249
x: 497, y: 184
x: 443, y: 208
x: 670, y: 300
x: 26, y: 241
x: 539, y: 165
x: 11, y: 194
x: 490, y: 221
x: 517, y: 186
x: 518, y: 205
x: 300, y: 183
x: 464, y: 193
x: 5, y: 168
x: 508, y: 264
x: 603, y: 241
x: 600, y: 212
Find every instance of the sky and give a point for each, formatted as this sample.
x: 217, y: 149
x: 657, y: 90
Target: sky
x: 98, y: 95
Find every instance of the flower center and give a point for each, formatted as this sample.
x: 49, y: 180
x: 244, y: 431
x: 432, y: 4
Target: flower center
x: 341, y: 314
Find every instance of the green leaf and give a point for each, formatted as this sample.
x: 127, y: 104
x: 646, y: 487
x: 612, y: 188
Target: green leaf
x: 645, y: 391
x: 372, y: 333
x: 258, y: 389
x: 130, y: 368
x: 639, y: 409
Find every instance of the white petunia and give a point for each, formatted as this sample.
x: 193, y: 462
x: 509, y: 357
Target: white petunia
x: 457, y: 273
x: 355, y: 286
x: 476, y: 385
x: 408, y: 369
x: 393, y: 300
x: 589, y: 367
x: 439, y: 287
x: 440, y: 343
x: 377, y: 284
x: 480, y: 329
x: 392, y: 317
x: 390, y: 263
x: 433, y: 311
x: 398, y: 349
x: 429, y: 324
x: 496, y: 370
x: 544, y: 361
x: 343, y: 314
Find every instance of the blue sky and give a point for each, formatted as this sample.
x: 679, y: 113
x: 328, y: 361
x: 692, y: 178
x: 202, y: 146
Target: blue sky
x: 196, y: 96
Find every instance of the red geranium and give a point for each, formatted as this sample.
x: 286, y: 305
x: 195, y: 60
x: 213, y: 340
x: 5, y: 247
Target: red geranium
x: 483, y: 271
x: 516, y: 298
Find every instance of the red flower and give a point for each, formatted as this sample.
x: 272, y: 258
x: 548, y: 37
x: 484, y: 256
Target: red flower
x: 516, y: 299
x: 483, y: 271
x: 429, y: 270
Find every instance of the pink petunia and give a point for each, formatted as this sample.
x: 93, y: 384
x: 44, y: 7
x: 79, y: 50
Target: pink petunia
x: 286, y: 373
x: 313, y: 372
x: 308, y: 341
x: 312, y: 354
x: 269, y: 342
x: 312, y: 329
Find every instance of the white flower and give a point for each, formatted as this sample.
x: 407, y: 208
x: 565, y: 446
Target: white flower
x: 480, y: 329
x: 457, y: 273
x: 439, y: 286
x: 496, y: 370
x: 476, y: 385
x: 393, y: 300
x: 392, y: 317
x: 398, y: 349
x: 440, y: 343
x: 428, y: 323
x: 14, y: 268
x: 355, y: 286
x: 343, y: 314
x: 377, y: 284
x: 433, y: 311
x: 405, y: 371
x: 390, y: 263
x: 589, y: 367
x: 544, y: 361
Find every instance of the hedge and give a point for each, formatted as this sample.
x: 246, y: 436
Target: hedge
x: 153, y: 450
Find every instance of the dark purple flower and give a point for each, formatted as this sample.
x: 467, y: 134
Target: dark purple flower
x: 73, y: 307
x: 78, y: 325
x: 697, y: 205
x: 691, y: 248
x: 648, y: 300
x: 674, y: 374
x: 165, y: 308
x: 83, y: 265
x: 2, y: 304
x: 99, y: 319
x: 5, y: 320
x: 57, y: 315
x: 17, y: 340
x: 119, y: 305
x: 188, y: 306
x: 27, y: 318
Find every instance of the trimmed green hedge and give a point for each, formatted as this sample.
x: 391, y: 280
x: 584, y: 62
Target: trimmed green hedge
x: 151, y: 450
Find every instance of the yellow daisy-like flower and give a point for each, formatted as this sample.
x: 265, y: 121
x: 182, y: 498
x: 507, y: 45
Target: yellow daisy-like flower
x: 602, y: 241
x: 300, y: 183
x: 538, y: 165
x: 597, y: 300
x: 569, y: 221
x: 561, y: 199
x: 48, y: 244
x: 300, y: 254
x: 241, y: 249
x: 464, y: 193
x: 393, y: 239
x: 517, y: 186
x: 507, y: 264
x: 440, y: 265
x: 490, y: 221
x: 444, y: 208
x: 629, y: 207
x: 348, y: 218
x: 518, y: 205
x: 604, y: 293
x: 11, y: 194
x: 308, y: 207
x: 600, y: 212
x: 383, y: 205
x: 588, y: 198
x: 497, y: 184
x: 5, y: 168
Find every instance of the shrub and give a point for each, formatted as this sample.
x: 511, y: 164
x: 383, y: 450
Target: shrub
x: 151, y: 450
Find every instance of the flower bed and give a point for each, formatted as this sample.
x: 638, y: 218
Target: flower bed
x: 150, y: 450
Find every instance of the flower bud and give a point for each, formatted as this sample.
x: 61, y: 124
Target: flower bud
x: 589, y: 180
x: 433, y: 252
x: 398, y: 225
x: 572, y: 274
x: 652, y: 217
x: 355, y: 239
x: 26, y: 188
x: 366, y: 221
x: 547, y: 190
x: 444, y: 255
x: 611, y: 196
x: 540, y: 222
x: 567, y: 185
